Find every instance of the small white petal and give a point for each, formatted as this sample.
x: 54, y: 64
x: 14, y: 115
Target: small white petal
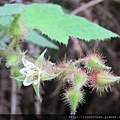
x: 29, y: 64
x: 23, y: 71
x: 27, y: 82
x: 35, y: 82
x: 26, y: 63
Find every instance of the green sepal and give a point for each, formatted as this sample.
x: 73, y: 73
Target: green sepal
x: 20, y: 78
x: 19, y: 84
x: 39, y: 61
x: 15, y: 72
x: 45, y: 76
x: 37, y: 88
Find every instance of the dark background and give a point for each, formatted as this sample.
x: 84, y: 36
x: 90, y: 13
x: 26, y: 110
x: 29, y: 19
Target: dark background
x: 106, y: 14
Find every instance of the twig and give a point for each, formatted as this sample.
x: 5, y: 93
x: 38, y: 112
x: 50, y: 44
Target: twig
x: 109, y: 15
x: 13, y: 99
x: 38, y: 106
x: 77, y: 46
x: 86, y: 6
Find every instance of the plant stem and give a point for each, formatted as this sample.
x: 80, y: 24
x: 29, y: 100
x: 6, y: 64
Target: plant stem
x: 13, y: 99
x: 12, y: 45
x: 78, y: 61
x: 65, y: 69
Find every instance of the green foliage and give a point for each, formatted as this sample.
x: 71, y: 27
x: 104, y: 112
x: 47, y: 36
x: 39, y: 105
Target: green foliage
x: 11, y: 9
x: 59, y: 26
x: 53, y: 22
x: 38, y: 39
x: 18, y: 21
x: 7, y: 20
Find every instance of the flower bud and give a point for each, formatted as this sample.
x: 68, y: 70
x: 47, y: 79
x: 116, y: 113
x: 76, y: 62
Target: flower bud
x: 15, y: 72
x: 16, y: 29
x: 74, y: 98
x: 95, y: 61
x: 101, y: 80
x: 12, y: 60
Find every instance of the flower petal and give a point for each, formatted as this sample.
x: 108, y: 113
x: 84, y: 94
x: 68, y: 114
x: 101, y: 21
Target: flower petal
x: 27, y: 81
x: 26, y: 63
x: 23, y: 71
x: 35, y: 82
x: 29, y: 64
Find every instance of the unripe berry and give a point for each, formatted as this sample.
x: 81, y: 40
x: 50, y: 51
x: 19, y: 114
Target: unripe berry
x: 95, y: 61
x: 73, y: 98
x: 15, y: 72
x: 80, y: 79
x: 12, y: 60
x: 101, y: 80
x: 17, y: 28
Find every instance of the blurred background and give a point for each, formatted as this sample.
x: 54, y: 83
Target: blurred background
x: 105, y: 13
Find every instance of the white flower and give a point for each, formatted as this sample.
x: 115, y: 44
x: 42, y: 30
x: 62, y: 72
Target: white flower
x: 31, y: 72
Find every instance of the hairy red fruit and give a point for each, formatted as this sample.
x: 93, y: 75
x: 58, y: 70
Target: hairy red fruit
x: 101, y: 80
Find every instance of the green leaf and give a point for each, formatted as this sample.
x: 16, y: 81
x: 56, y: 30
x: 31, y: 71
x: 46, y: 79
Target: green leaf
x: 46, y: 76
x: 37, y: 88
x: 11, y: 9
x: 7, y: 20
x: 57, y: 25
x: 40, y: 59
x: 38, y: 39
x: 3, y: 40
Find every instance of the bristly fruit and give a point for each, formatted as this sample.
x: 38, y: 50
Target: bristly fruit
x: 73, y: 98
x: 12, y: 60
x: 80, y: 79
x: 102, y: 79
x: 17, y: 28
x: 95, y: 61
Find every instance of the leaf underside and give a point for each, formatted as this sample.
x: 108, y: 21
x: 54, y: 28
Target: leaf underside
x: 51, y: 21
x: 11, y: 9
x: 37, y: 39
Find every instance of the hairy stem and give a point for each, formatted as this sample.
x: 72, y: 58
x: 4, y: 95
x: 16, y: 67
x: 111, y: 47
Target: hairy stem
x: 12, y: 45
x: 78, y: 61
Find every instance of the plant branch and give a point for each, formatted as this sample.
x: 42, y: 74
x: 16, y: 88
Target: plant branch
x: 12, y: 45
x: 13, y: 98
x: 78, y: 61
x: 86, y: 6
